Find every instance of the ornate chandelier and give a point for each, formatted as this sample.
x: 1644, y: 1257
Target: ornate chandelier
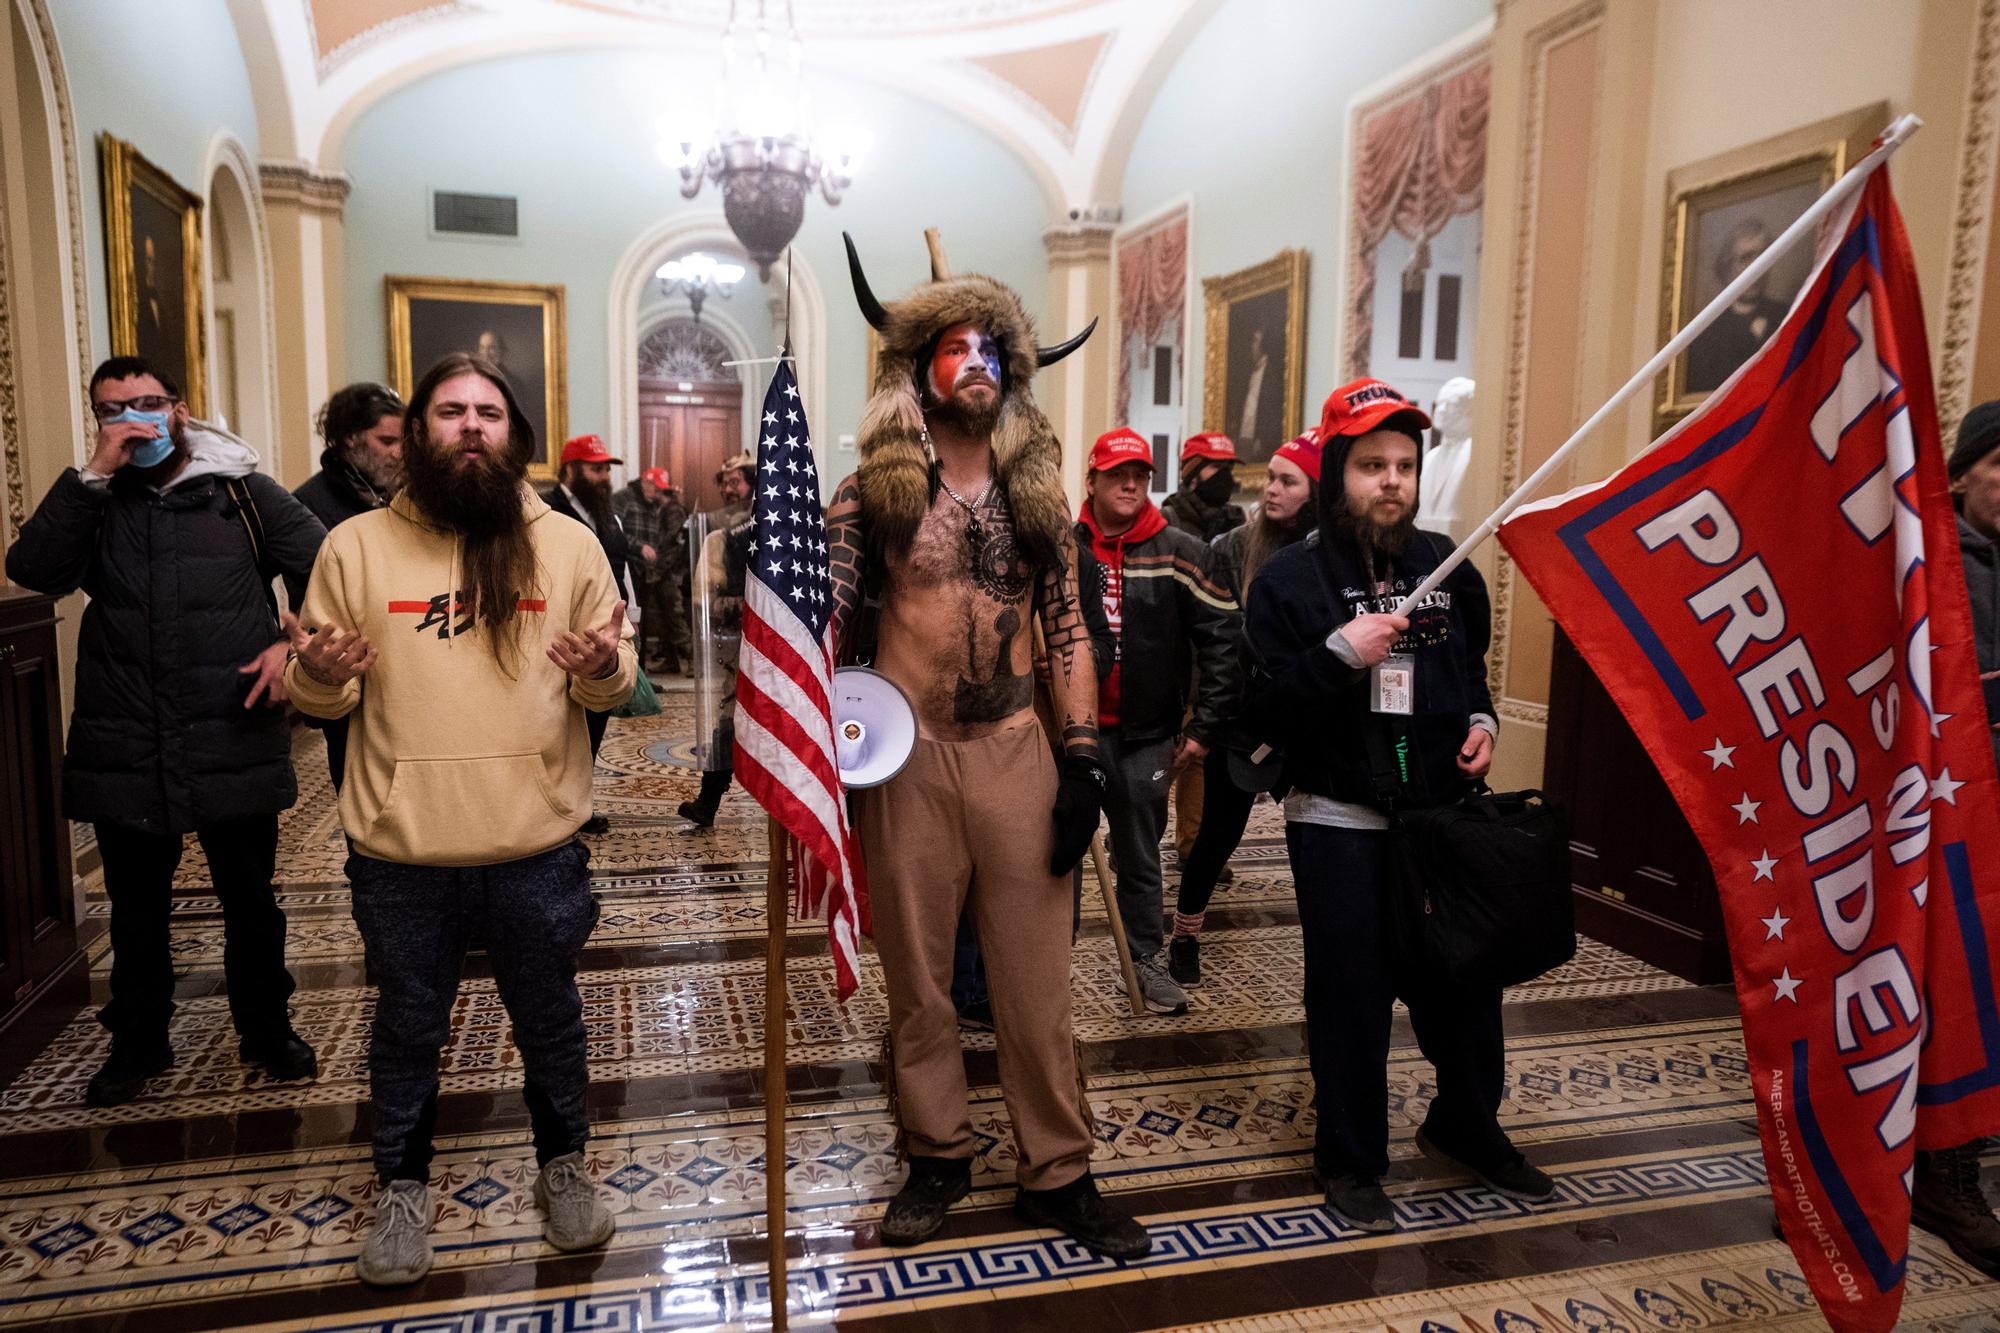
x: 763, y: 154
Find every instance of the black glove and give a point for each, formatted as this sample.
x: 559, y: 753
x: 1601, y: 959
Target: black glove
x: 1079, y: 800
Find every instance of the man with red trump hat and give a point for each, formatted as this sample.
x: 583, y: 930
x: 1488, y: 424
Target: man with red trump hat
x: 1201, y: 506
x: 1172, y: 619
x: 583, y: 492
x: 1377, y: 712
x: 649, y: 508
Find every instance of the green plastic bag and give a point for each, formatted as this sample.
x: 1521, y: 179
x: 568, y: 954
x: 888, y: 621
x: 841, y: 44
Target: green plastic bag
x: 645, y: 702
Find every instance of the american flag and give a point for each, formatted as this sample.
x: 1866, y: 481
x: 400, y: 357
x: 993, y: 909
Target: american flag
x: 784, y: 721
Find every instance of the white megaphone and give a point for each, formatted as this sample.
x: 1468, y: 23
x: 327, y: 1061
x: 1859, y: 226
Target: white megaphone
x: 874, y: 727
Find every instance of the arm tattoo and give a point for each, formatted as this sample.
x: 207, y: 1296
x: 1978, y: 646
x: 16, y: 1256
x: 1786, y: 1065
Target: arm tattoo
x: 843, y: 529
x: 1072, y: 673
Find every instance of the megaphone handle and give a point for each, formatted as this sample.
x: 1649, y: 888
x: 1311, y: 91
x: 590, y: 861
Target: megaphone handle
x: 1103, y: 867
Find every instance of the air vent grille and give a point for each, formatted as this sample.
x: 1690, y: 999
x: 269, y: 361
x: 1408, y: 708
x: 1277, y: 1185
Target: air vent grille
x: 475, y: 214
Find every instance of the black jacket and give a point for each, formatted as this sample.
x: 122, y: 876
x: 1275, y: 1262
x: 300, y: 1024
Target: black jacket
x: 1186, y: 511
x: 337, y: 492
x: 1177, y: 624
x: 612, y: 538
x: 159, y: 738
x: 1317, y: 708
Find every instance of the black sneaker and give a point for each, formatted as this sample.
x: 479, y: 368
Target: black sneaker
x: 917, y: 1212
x: 283, y: 1057
x: 977, y: 1016
x: 595, y: 825
x: 1184, y: 959
x: 128, y: 1068
x: 1513, y: 1175
x: 1948, y: 1203
x: 1356, y: 1200
x: 1086, y: 1217
x: 697, y: 814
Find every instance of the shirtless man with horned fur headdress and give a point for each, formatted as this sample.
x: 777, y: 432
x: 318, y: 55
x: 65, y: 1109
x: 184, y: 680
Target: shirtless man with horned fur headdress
x: 957, y: 524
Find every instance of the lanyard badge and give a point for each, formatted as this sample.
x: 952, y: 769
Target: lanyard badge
x: 1394, y: 684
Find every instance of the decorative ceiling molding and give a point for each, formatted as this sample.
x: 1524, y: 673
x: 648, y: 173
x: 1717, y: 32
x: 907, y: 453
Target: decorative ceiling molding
x: 1051, y: 81
x: 343, y: 29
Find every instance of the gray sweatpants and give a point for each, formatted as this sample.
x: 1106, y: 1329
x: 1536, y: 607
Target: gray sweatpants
x: 1138, y: 777
x: 532, y: 917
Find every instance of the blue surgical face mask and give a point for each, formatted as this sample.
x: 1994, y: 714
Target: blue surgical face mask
x: 150, y: 453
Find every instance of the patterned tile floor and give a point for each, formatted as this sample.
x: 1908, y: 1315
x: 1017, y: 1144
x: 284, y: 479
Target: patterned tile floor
x: 219, y: 1200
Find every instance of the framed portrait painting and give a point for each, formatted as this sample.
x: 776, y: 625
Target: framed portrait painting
x: 1721, y: 214
x: 518, y: 326
x: 152, y: 260
x: 1253, y: 363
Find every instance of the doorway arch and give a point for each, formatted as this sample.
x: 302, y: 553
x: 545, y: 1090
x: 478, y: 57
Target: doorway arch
x: 242, y: 332
x: 634, y: 271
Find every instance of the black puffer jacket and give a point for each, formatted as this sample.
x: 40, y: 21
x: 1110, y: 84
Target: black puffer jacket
x: 159, y: 738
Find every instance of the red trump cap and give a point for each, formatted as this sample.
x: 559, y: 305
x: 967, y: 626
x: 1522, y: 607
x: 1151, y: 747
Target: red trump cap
x: 658, y: 476
x: 1303, y: 453
x: 1209, y: 444
x: 1123, y: 445
x: 1368, y: 405
x: 587, y: 449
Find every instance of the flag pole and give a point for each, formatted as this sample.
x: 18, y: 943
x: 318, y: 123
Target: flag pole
x: 1101, y: 865
x: 1892, y: 138
x: 777, y: 916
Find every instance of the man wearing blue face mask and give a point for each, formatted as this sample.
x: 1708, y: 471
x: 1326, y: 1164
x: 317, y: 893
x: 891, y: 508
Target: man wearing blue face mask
x: 175, y: 537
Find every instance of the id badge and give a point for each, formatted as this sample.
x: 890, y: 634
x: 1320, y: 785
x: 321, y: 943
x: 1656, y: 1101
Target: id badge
x: 1395, y: 684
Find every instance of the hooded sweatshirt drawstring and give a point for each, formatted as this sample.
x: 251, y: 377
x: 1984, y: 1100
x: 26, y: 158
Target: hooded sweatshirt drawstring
x: 451, y: 596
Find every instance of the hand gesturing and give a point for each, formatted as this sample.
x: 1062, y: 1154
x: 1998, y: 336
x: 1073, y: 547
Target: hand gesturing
x: 327, y: 655
x: 593, y: 654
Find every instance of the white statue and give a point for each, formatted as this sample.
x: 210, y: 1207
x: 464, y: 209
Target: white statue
x: 1441, y: 495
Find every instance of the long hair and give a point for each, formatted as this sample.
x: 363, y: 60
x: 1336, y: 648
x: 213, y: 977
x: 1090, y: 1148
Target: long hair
x: 352, y: 411
x: 1267, y: 537
x: 484, y: 506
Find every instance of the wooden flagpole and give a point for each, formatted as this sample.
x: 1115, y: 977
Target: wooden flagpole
x: 777, y: 917
x: 1102, y: 865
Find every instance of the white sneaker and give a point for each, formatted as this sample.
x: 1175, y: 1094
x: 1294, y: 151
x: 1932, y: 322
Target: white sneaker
x: 398, y: 1249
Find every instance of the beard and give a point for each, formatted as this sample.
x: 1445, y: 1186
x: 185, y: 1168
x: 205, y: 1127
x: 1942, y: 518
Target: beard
x: 595, y: 497
x: 962, y: 416
x: 480, y: 498
x: 1360, y: 527
x: 384, y: 474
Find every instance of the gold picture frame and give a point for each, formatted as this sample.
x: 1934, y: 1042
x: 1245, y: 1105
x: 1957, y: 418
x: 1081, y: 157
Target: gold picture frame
x: 152, y: 231
x: 1716, y: 210
x: 432, y: 317
x: 1243, y: 311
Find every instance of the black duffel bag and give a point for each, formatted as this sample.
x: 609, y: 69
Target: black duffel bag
x: 1480, y: 890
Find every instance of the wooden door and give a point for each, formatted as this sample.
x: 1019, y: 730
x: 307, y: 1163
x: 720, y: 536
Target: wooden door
x: 1641, y: 881
x: 689, y: 429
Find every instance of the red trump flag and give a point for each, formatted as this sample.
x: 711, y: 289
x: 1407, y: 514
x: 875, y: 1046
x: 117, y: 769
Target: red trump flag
x: 1773, y: 596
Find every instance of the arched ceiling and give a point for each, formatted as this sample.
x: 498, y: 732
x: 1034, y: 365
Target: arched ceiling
x: 1063, y: 83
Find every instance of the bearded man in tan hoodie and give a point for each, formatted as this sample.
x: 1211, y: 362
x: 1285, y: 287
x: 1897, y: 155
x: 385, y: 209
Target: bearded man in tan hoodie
x: 464, y: 633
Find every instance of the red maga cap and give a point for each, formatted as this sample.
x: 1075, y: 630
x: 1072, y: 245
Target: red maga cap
x: 1209, y: 444
x: 1367, y: 405
x: 1303, y: 453
x: 1123, y: 445
x: 587, y: 449
x: 658, y: 476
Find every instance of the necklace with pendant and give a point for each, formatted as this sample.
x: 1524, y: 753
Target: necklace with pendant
x: 975, y: 531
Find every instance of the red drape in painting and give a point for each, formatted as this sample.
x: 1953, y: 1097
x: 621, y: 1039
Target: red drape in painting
x: 1152, y: 289
x: 1420, y: 161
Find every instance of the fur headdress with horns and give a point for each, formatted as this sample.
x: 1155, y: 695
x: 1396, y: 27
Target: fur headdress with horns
x: 896, y: 476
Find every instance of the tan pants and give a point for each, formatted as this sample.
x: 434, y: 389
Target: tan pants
x: 1187, y: 809
x: 969, y: 820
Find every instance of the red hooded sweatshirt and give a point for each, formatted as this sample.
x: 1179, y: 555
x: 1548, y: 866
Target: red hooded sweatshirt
x: 1110, y: 553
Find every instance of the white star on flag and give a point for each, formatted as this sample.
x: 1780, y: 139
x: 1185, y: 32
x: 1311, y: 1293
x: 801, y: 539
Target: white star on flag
x: 791, y: 391
x: 1719, y: 756
x: 1787, y: 986
x: 770, y: 418
x: 1746, y: 810
x: 1944, y: 789
x: 1774, y: 924
x: 1763, y: 866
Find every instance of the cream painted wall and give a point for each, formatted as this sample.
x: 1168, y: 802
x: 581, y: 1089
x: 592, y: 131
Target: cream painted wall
x: 164, y: 87
x: 1250, y: 122
x: 580, y: 155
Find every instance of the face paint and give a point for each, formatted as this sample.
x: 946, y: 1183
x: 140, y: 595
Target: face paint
x: 965, y: 354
